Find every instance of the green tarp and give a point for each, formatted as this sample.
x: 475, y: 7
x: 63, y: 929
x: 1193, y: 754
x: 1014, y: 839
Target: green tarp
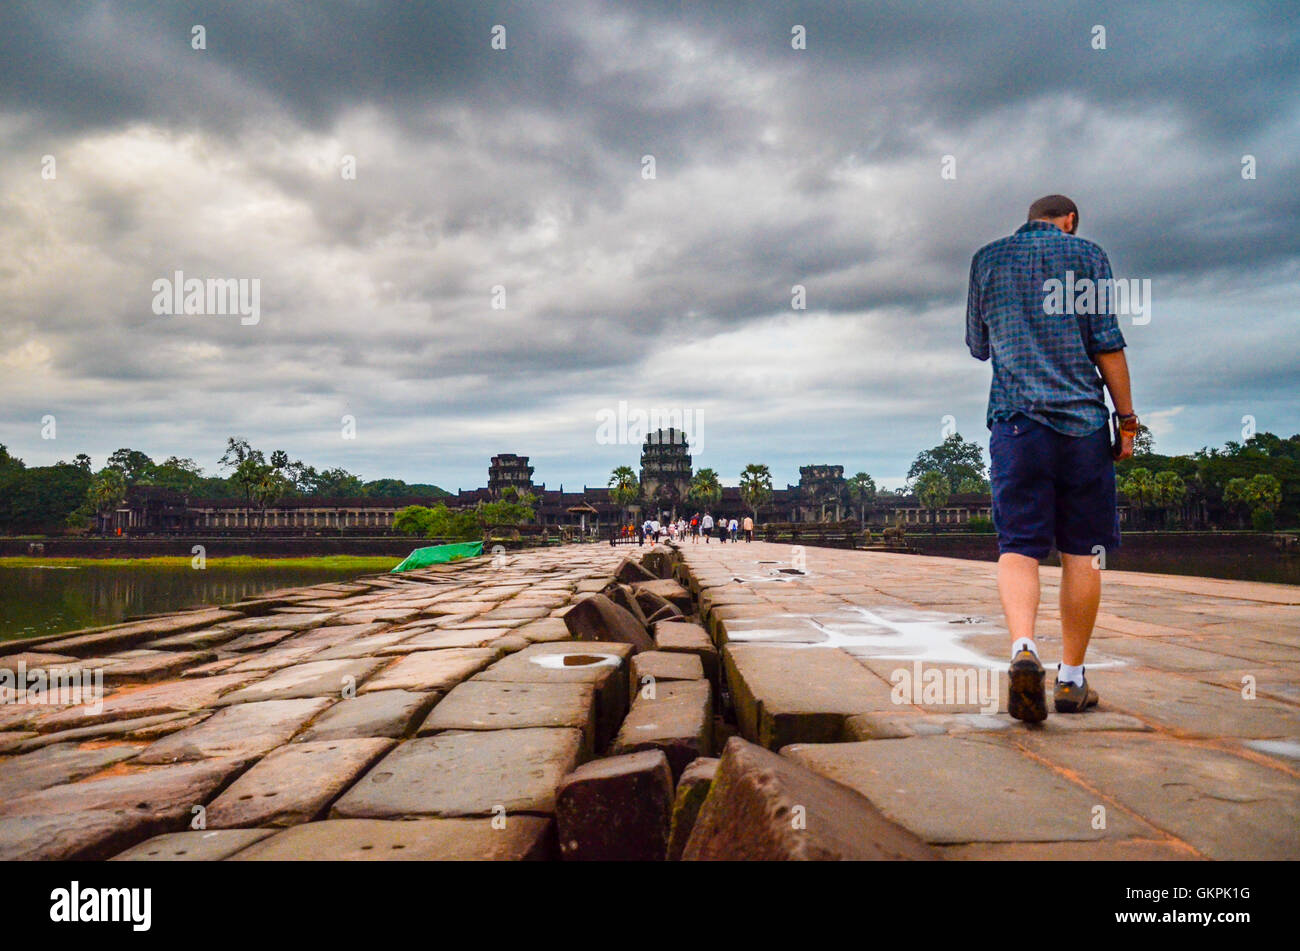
x: 438, y: 555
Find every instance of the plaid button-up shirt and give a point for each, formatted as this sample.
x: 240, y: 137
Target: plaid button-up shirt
x: 1042, y: 363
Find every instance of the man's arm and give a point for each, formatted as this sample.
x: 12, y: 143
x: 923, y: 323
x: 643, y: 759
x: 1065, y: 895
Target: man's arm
x: 1105, y: 345
x: 977, y: 331
x: 1114, y: 373
x: 1113, y: 366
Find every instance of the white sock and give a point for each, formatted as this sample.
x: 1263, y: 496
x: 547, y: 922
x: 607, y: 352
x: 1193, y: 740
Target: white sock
x: 1072, y: 674
x: 1023, y: 644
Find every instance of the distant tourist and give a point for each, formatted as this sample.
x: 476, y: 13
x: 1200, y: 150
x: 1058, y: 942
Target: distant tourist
x: 733, y: 526
x: 1053, y: 460
x: 695, y: 528
x: 749, y: 529
x: 721, y: 522
x: 706, y: 527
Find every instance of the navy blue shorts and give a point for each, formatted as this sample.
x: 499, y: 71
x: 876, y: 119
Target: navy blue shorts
x: 1052, y: 488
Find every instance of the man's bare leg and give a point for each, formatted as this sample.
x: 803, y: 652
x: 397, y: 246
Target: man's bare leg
x: 1080, y: 598
x: 1018, y: 587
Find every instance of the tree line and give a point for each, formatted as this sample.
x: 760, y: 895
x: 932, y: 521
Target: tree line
x: 513, y: 508
x: 65, y: 495
x: 1254, y: 483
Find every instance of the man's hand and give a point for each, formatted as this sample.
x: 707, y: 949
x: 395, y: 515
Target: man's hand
x: 1128, y: 430
x: 1125, y: 445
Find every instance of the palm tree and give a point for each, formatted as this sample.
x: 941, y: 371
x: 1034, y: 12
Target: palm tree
x: 624, y: 489
x: 705, y: 488
x: 862, y: 490
x: 1140, y: 488
x: 755, y: 487
x: 1169, y: 490
x: 1237, y: 498
x: 1262, y: 494
x: 107, y: 491
x: 932, y: 490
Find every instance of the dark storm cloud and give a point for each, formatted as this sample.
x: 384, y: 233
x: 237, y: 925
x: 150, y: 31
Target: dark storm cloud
x: 95, y: 64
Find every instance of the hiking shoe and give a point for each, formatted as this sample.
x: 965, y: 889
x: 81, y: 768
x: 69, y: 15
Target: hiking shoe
x: 1028, y: 700
x: 1072, y: 698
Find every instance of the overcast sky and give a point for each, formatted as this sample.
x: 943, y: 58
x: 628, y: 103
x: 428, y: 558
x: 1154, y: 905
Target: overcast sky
x: 523, y: 168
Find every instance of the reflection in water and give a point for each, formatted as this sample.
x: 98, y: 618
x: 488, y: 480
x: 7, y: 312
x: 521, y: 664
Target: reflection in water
x: 37, y: 600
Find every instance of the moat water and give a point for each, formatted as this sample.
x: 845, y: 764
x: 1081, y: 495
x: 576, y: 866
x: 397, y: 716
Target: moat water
x: 39, y: 600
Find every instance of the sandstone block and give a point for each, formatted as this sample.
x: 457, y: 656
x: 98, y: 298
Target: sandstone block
x: 767, y: 807
x: 616, y: 809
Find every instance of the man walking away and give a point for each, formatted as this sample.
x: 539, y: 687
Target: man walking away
x: 706, y: 527
x: 749, y: 529
x: 1052, y: 472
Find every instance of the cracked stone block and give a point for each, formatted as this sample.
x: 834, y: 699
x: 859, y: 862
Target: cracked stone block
x: 432, y: 670
x: 692, y: 789
x: 501, y: 705
x: 676, y: 718
x: 295, y: 783
x: 244, y: 730
x: 616, y: 809
x: 57, y: 764
x: 203, y: 845
x: 967, y: 788
x: 471, y: 773
x: 390, y: 713
x: 517, y: 838
x: 688, y: 638
x: 789, y: 695
x: 766, y: 807
x: 323, y: 678
x: 655, y: 666
x: 603, y: 664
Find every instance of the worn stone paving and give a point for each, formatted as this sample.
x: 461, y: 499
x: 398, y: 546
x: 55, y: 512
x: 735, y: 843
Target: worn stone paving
x: 462, y: 712
x: 297, y: 724
x: 1194, y: 751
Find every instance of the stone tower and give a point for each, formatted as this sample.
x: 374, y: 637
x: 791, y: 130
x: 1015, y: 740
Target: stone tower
x: 508, y: 469
x: 665, y: 470
x: 820, y: 487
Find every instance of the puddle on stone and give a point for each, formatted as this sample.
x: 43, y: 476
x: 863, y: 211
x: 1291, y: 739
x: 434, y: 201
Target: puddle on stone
x: 775, y: 576
x: 1288, y: 748
x: 892, y: 633
x: 560, y: 661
